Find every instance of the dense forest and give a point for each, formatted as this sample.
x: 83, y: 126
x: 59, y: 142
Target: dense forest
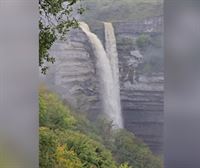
x: 70, y: 140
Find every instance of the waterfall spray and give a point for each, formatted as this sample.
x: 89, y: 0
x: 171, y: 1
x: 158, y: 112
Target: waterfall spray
x: 106, y: 69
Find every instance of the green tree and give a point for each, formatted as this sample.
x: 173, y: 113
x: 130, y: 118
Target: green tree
x: 56, y: 19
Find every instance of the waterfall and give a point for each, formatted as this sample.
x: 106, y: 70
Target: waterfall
x: 112, y: 54
x: 106, y: 64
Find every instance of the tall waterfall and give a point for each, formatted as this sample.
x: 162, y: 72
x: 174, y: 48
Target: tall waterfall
x: 107, y: 68
x: 112, y: 54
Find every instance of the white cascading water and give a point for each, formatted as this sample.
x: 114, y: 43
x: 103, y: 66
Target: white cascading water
x: 109, y: 82
x: 112, y: 54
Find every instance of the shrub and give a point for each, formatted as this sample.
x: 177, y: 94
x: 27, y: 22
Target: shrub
x: 69, y: 149
x: 53, y: 113
x: 54, y: 154
x: 69, y: 140
x: 130, y: 149
x: 90, y: 152
x: 126, y: 43
x: 47, y: 145
x: 143, y: 41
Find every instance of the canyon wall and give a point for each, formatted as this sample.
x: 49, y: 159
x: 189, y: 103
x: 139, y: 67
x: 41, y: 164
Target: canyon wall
x: 74, y: 76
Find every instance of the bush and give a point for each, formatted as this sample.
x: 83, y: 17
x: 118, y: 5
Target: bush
x: 69, y: 149
x: 55, y: 154
x: 130, y: 149
x: 69, y: 140
x: 126, y: 43
x: 47, y: 145
x: 90, y: 152
x: 143, y: 41
x: 53, y: 112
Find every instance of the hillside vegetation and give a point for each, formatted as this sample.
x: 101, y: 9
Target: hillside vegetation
x: 118, y: 10
x: 68, y: 140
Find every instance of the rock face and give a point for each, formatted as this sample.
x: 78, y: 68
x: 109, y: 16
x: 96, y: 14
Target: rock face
x: 142, y: 106
x: 74, y: 77
x: 149, y: 25
x: 74, y: 74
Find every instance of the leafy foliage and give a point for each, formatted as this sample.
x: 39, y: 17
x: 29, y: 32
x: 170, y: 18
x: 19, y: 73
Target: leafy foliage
x: 61, y: 144
x: 127, y: 148
x: 70, y: 140
x: 55, y: 21
x: 54, y: 154
x: 48, y: 143
x: 90, y: 152
x: 53, y: 113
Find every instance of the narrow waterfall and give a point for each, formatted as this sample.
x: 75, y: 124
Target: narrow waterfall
x: 112, y: 54
x: 109, y: 92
